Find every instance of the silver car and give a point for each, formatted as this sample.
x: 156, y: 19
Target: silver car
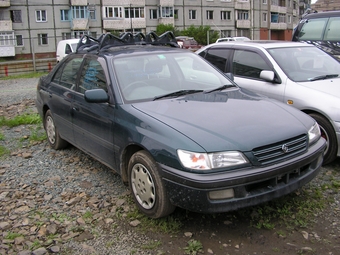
x: 298, y: 74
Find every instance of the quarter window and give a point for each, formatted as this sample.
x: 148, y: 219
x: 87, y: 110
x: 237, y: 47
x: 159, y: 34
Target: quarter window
x: 248, y: 64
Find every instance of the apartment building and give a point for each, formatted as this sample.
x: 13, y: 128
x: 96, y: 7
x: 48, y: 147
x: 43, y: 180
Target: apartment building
x: 33, y: 28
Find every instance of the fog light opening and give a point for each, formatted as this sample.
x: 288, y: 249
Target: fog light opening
x: 221, y: 194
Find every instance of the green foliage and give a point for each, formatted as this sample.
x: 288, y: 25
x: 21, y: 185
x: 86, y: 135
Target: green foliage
x: 201, y: 34
x: 2, y: 136
x: 12, y: 236
x: 24, y: 119
x: 162, y: 28
x: 193, y: 247
x: 151, y: 245
x: 3, y: 151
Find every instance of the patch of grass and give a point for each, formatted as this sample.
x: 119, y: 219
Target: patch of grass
x: 24, y: 119
x: 170, y: 225
x: 2, y: 136
x: 60, y: 217
x: 12, y: 236
x: 294, y: 210
x: 151, y: 245
x: 193, y: 247
x: 35, y: 245
x: 24, y: 76
x: 4, y: 151
x: 37, y: 134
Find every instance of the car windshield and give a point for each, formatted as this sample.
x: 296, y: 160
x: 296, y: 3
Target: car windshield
x: 302, y: 64
x: 158, y: 76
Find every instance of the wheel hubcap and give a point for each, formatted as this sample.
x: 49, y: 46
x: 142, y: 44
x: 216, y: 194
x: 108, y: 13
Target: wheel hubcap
x: 50, y: 129
x: 143, y: 186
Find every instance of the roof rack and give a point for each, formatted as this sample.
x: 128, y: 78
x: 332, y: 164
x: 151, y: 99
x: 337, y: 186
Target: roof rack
x: 88, y: 43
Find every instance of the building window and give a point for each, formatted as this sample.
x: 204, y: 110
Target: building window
x: 225, y: 15
x: 225, y: 33
x: 274, y: 17
x: 289, y: 19
x: 42, y: 39
x: 40, y: 16
x: 242, y: 15
x: 80, y: 33
x: 92, y: 14
x: 210, y: 14
x: 65, y: 36
x: 134, y: 12
x: 64, y: 15
x: 79, y: 12
x: 176, y: 13
x: 264, y: 1
x: 264, y: 17
x: 282, y: 18
x: 6, y: 39
x: 19, y: 40
x: 275, y: 2
x: 167, y: 12
x: 16, y: 16
x: 192, y: 14
x: 153, y: 14
x: 113, y: 12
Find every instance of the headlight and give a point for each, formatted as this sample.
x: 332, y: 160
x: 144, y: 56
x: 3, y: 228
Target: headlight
x: 206, y: 161
x: 314, y: 133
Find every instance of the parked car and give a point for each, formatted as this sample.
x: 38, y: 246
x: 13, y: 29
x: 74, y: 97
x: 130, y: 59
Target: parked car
x: 322, y: 30
x: 187, y: 42
x: 177, y: 130
x: 66, y: 47
x: 294, y: 73
x: 230, y: 39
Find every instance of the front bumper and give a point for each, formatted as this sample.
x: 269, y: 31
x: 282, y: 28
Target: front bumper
x: 251, y: 186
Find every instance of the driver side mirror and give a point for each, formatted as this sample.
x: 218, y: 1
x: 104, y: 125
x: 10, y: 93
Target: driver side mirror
x: 267, y: 75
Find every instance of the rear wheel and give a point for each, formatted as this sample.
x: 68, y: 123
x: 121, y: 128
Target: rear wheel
x: 53, y: 138
x: 147, y: 186
x: 328, y: 133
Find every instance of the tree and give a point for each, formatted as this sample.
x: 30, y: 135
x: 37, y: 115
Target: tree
x: 162, y: 28
x: 201, y: 34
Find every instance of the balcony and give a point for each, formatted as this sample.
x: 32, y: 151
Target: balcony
x: 7, y: 44
x: 5, y: 3
x: 274, y: 8
x: 166, y: 21
x: 78, y: 2
x: 6, y: 25
x: 119, y: 24
x: 80, y: 24
x: 278, y: 26
x: 242, y: 23
x: 282, y: 9
x: 166, y: 2
x: 123, y: 3
x: 242, y: 6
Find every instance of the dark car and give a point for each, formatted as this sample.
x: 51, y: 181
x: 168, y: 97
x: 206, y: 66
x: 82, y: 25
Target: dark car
x: 174, y: 127
x: 322, y: 30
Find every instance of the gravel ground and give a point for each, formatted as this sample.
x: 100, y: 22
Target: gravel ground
x: 64, y: 202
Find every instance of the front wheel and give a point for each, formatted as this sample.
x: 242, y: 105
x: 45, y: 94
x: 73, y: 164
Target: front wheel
x: 147, y: 186
x: 328, y: 133
x: 53, y: 137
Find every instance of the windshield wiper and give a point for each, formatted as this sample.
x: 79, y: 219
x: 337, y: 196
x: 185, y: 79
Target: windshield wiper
x: 178, y: 93
x: 323, y: 77
x: 219, y: 88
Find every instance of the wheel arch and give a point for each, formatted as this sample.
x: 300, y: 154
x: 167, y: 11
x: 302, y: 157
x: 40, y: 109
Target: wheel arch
x: 125, y: 158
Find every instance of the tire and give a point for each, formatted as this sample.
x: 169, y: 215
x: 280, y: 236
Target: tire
x: 53, y: 137
x: 147, y: 186
x: 328, y: 133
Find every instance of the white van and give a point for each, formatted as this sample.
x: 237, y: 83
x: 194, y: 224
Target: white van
x: 66, y: 47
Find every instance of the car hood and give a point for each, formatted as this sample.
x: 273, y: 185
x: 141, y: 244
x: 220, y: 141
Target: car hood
x: 228, y: 121
x: 328, y: 86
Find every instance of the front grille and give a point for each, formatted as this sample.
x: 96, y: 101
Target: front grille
x: 273, y: 153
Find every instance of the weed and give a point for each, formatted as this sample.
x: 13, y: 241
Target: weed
x: 37, y: 134
x: 61, y: 217
x: 151, y: 245
x: 87, y: 215
x: 2, y: 136
x: 193, y: 247
x: 35, y: 245
x: 12, y: 236
x: 24, y: 119
x: 3, y: 151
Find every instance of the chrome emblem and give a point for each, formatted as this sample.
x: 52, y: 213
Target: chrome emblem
x: 285, y: 148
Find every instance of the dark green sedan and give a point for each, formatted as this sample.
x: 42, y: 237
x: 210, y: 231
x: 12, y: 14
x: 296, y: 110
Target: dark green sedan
x: 177, y: 130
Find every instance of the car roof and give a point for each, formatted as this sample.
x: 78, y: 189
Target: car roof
x: 266, y: 44
x: 322, y: 14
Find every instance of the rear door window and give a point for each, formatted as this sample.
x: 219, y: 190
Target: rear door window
x: 332, y: 32
x: 218, y: 57
x: 313, y: 29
